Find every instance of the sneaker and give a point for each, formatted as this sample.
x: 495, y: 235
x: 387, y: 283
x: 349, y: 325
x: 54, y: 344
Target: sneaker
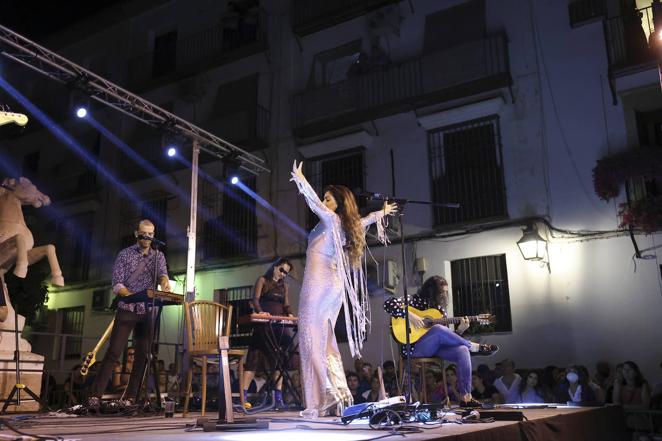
x: 471, y: 403
x: 486, y: 350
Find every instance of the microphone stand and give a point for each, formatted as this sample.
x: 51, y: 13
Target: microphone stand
x: 153, y: 334
x: 401, y: 203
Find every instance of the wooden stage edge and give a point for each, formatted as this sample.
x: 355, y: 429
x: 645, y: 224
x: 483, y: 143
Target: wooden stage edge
x: 561, y: 423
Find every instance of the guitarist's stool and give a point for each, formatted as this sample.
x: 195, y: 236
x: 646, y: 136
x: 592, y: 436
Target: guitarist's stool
x: 422, y: 364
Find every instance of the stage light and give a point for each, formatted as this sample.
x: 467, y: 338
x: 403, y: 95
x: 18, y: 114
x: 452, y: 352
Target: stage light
x: 172, y: 151
x: 234, y: 180
x: 81, y: 112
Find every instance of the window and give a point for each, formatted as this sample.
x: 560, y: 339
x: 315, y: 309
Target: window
x: 344, y: 168
x: 233, y: 230
x: 73, y: 244
x: 480, y: 285
x: 649, y: 128
x: 331, y: 66
x: 165, y: 54
x: 239, y: 297
x: 583, y: 11
x: 72, y: 324
x: 466, y: 168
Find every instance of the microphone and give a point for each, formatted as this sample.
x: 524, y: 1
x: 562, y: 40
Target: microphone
x: 152, y: 239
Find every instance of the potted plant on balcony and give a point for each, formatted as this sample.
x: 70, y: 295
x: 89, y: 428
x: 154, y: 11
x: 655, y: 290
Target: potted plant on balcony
x: 642, y: 163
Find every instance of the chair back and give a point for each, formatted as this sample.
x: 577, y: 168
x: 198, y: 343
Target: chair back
x: 206, y: 322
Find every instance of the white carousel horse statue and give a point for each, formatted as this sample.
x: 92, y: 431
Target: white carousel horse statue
x: 16, y: 241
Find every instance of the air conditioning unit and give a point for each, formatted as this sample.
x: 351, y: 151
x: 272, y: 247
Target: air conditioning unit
x: 102, y: 299
x: 382, y: 278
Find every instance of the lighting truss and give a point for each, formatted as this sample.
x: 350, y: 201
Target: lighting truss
x: 38, y: 58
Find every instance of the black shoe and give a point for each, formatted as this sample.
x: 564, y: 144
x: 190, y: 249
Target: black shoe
x: 471, y: 404
x: 485, y: 350
x: 93, y: 404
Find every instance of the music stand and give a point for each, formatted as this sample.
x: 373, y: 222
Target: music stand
x: 18, y: 386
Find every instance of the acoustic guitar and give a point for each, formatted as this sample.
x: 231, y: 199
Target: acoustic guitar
x: 431, y: 317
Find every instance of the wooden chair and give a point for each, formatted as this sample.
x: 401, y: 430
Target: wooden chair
x: 421, y: 364
x: 206, y: 322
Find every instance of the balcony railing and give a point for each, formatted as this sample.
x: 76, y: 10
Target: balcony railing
x: 628, y: 39
x: 311, y: 16
x: 200, y: 51
x: 459, y: 71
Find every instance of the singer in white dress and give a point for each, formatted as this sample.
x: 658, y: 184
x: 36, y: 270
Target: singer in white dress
x: 333, y: 278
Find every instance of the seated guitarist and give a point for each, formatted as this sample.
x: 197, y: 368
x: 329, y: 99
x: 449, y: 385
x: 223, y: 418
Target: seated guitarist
x: 133, y: 272
x: 440, y: 341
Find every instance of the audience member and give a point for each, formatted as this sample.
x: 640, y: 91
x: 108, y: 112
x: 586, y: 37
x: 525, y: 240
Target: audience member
x: 597, y: 390
x: 531, y: 390
x: 485, y: 393
x: 353, y: 386
x: 486, y: 374
x: 603, y: 376
x: 390, y: 378
x: 618, y: 377
x: 372, y: 395
x: 633, y: 390
x: 365, y: 377
x: 574, y: 388
x: 508, y: 383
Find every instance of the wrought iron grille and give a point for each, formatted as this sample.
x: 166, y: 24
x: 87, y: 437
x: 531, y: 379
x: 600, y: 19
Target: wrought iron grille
x: 72, y: 323
x: 239, y: 297
x: 480, y: 285
x: 233, y: 232
x: 346, y: 168
x: 466, y: 167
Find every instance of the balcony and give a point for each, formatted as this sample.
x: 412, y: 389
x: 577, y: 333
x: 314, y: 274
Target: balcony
x: 627, y: 37
x: 248, y: 128
x: 312, y: 16
x: 476, y: 67
x: 213, y: 47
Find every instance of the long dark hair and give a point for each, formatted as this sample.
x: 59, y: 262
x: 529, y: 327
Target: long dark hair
x: 540, y: 387
x: 432, y: 292
x: 348, y: 212
x: 269, y: 274
x: 639, y: 379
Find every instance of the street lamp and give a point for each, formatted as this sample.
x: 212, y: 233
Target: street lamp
x: 531, y: 245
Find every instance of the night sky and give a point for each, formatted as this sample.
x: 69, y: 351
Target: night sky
x: 37, y: 19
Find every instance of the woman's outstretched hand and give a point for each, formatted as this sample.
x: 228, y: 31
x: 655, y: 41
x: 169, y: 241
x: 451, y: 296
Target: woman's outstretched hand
x: 296, y: 170
x: 390, y: 209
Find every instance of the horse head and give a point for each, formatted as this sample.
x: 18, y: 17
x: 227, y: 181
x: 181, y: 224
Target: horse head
x: 25, y: 191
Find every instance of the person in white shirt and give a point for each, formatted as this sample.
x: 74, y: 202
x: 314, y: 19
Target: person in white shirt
x: 508, y: 384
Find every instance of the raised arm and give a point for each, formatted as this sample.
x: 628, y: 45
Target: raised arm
x: 313, y: 201
x: 376, y: 216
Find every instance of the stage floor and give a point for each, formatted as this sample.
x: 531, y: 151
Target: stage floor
x: 562, y: 423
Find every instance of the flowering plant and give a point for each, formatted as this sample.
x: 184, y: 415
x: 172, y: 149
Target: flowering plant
x: 611, y: 172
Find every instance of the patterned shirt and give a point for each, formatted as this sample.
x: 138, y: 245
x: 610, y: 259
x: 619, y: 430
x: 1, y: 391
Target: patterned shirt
x: 126, y: 263
x: 396, y: 308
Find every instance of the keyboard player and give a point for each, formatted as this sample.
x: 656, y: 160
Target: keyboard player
x: 270, y: 296
x: 134, y: 271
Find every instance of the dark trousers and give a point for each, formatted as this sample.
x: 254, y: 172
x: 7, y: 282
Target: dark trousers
x: 125, y: 322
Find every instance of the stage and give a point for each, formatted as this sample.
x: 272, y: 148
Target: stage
x: 563, y: 423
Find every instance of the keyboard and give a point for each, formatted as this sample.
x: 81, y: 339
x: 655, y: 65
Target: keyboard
x: 161, y: 298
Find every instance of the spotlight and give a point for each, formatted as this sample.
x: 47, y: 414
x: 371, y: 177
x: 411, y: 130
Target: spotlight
x: 234, y: 180
x: 171, y: 151
x: 81, y: 112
